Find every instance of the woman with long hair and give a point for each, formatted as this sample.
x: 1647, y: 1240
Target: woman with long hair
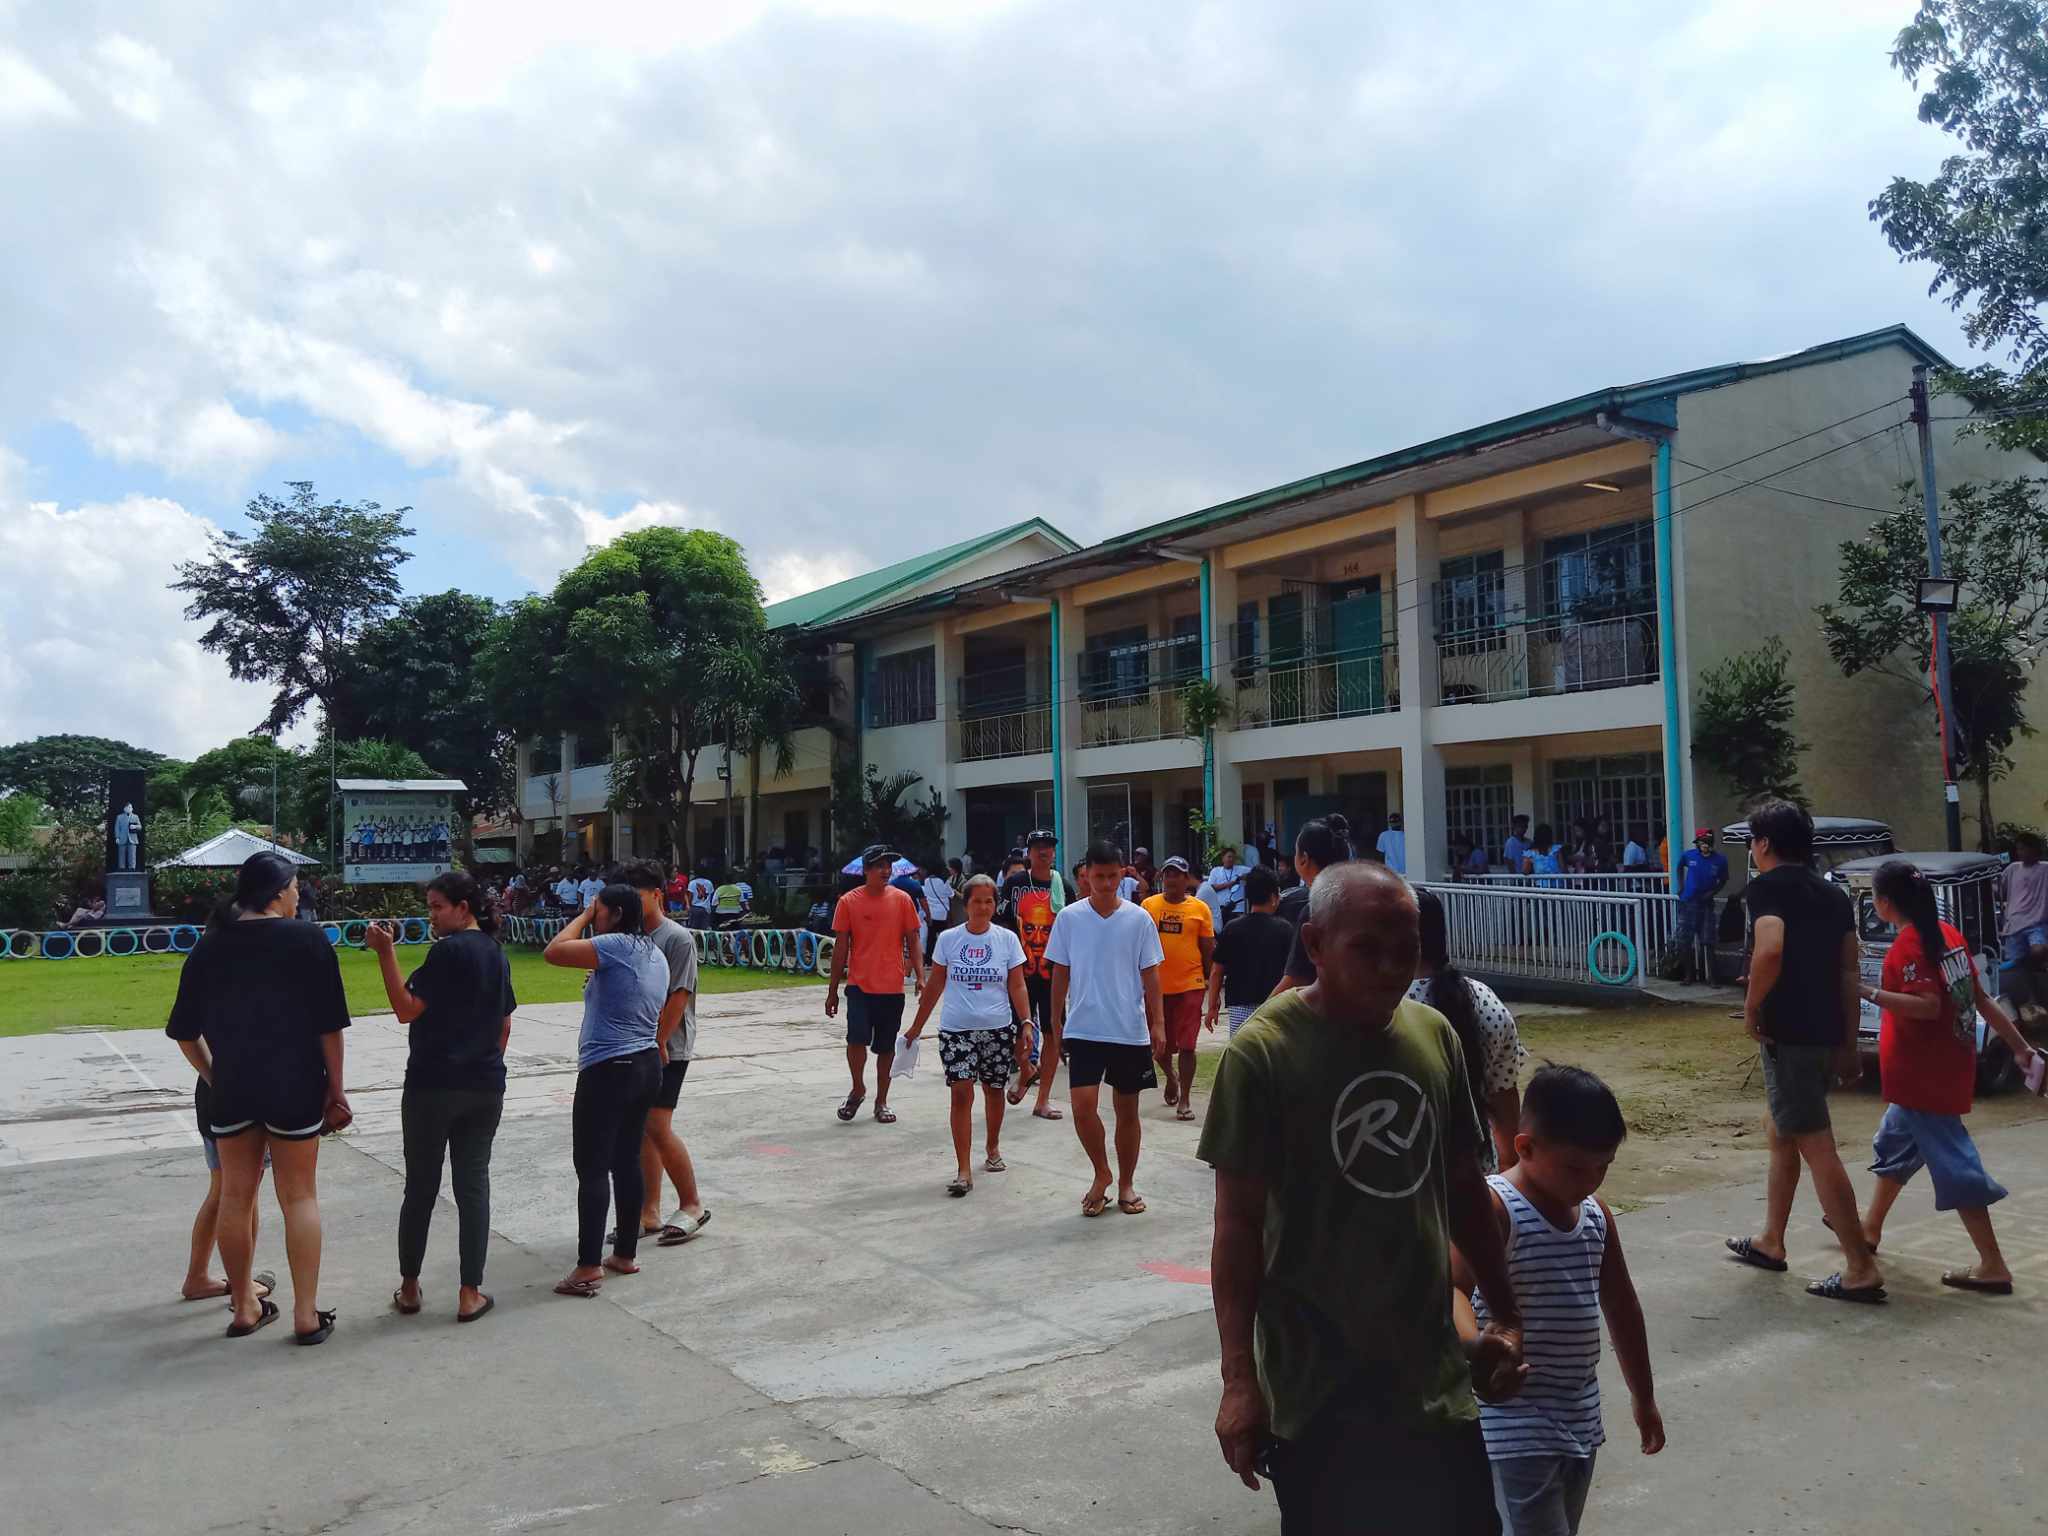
x: 618, y: 1075
x: 1546, y: 856
x: 1927, y: 1063
x: 1321, y: 842
x: 978, y: 973
x: 457, y: 1009
x: 1494, y: 1055
x: 259, y: 1014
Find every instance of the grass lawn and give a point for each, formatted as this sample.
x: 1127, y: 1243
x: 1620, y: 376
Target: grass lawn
x: 135, y: 992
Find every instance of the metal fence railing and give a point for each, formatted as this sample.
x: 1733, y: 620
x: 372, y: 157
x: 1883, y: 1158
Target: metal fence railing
x: 1650, y: 883
x: 1582, y: 936
x: 1333, y: 685
x: 1519, y: 660
x: 1014, y: 733
x: 1153, y: 715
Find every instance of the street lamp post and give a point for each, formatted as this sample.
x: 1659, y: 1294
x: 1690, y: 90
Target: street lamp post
x: 1937, y: 597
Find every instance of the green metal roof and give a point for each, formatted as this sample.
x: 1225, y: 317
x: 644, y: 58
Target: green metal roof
x: 1619, y: 400
x: 846, y: 597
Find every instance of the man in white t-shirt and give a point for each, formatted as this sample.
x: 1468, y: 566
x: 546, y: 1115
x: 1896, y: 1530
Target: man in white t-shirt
x: 1227, y: 881
x: 1393, y: 845
x: 566, y: 892
x: 590, y: 887
x: 1107, y: 1012
x: 700, y: 901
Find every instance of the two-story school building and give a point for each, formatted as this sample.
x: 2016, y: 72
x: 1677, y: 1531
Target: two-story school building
x: 1508, y: 619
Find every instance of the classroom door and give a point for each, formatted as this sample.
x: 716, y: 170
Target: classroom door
x: 1357, y: 645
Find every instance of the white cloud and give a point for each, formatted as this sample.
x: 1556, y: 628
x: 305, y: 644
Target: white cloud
x: 26, y: 92
x: 92, y: 640
x: 791, y: 573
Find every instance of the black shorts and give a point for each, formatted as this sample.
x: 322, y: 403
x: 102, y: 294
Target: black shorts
x: 1038, y: 992
x: 672, y: 1077
x: 1127, y: 1067
x: 872, y: 1019
x: 1348, y: 1473
x: 299, y: 1118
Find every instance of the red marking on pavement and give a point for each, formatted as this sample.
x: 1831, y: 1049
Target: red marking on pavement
x: 1179, y: 1273
x: 771, y: 1149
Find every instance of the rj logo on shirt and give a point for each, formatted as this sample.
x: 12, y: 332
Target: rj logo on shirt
x: 1383, y: 1134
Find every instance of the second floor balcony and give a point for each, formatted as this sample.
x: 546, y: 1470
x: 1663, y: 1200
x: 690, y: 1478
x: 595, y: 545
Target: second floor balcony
x: 1002, y: 712
x: 1571, y: 623
x: 1333, y: 662
x: 1131, y: 693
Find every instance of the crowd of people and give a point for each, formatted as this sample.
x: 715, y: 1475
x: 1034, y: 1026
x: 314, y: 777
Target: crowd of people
x: 1411, y: 1263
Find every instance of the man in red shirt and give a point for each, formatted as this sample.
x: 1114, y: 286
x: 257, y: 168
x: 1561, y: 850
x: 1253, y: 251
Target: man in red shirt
x: 875, y: 942
x: 1927, y: 1056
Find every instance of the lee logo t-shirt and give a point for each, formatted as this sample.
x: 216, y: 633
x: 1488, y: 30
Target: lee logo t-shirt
x: 978, y: 967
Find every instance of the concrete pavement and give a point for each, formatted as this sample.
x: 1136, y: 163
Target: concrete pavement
x: 846, y: 1350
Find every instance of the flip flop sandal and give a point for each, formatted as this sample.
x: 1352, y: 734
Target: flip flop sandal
x: 1824, y: 1221
x: 1169, y: 1093
x: 682, y: 1231
x: 267, y: 1281
x: 852, y: 1106
x: 398, y: 1304
x: 612, y: 1262
x: 1184, y: 1112
x: 1047, y: 1114
x: 1962, y: 1280
x: 578, y: 1287
x: 1095, y: 1206
x: 318, y: 1335
x: 470, y: 1317
x: 995, y: 1164
x: 1132, y: 1207
x: 1832, y: 1289
x: 959, y: 1187
x: 265, y: 1316
x: 885, y: 1115
x: 1746, y: 1251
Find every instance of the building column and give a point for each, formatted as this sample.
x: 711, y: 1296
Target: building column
x: 1226, y: 779
x: 1070, y: 793
x: 1522, y: 760
x: 949, y: 665
x: 568, y: 816
x: 1422, y: 767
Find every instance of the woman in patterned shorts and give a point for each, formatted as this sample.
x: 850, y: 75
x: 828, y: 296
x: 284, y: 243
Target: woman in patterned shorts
x: 977, y: 984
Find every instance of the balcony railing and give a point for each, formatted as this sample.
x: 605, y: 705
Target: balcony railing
x: 1551, y: 656
x: 1131, y: 693
x: 1002, y: 712
x: 1333, y: 685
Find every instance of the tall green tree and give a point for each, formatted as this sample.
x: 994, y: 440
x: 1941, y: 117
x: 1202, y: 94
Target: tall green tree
x: 20, y: 815
x: 1742, y: 724
x: 241, y: 772
x: 1982, y: 221
x: 415, y: 679
x: 868, y: 808
x: 1995, y: 542
x: 285, y: 602
x: 69, y: 773
x: 642, y: 638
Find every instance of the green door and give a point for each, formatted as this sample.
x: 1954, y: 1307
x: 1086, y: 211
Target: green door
x: 1356, y: 647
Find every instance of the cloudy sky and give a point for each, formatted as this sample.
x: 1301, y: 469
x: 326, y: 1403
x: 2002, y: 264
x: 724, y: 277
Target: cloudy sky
x: 851, y: 278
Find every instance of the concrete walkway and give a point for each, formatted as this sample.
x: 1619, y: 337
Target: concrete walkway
x: 846, y: 1350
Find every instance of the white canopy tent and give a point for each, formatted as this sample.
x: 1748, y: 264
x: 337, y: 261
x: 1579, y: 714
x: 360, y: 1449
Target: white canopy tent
x: 230, y: 850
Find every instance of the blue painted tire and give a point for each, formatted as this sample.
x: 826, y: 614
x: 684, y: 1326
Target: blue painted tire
x: 184, y: 938
x: 353, y: 932
x: 806, y: 950
x: 115, y: 936
x: 51, y: 951
x: 1593, y: 958
x: 156, y: 941
x: 771, y: 942
x: 98, y: 937
x: 413, y: 930
x: 333, y: 932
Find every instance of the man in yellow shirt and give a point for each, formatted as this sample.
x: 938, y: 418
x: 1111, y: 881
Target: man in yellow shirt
x: 1187, y: 936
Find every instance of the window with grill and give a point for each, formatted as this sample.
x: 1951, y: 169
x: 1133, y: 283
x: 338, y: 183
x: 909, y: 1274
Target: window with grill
x: 1116, y: 665
x: 1627, y: 789
x: 1601, y: 574
x: 904, y: 688
x: 1477, y: 805
x: 1471, y: 597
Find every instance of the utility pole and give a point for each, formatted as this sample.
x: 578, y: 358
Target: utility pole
x: 725, y: 773
x: 1943, y: 692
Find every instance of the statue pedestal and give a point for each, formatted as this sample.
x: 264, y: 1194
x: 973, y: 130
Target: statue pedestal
x: 128, y: 896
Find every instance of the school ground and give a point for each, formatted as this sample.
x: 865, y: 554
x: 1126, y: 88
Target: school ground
x: 847, y: 1351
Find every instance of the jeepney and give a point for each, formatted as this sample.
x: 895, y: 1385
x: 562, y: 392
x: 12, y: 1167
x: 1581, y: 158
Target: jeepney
x: 1966, y: 894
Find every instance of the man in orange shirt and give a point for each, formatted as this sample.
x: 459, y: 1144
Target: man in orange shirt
x: 874, y: 943
x: 1187, y: 936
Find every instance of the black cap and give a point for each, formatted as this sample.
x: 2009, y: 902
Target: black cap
x: 876, y: 853
x: 1034, y: 839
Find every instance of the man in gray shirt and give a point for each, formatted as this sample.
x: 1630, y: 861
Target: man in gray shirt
x: 660, y: 1147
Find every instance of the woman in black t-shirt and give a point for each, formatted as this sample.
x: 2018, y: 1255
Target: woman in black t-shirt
x: 457, y: 1008
x: 259, y: 1014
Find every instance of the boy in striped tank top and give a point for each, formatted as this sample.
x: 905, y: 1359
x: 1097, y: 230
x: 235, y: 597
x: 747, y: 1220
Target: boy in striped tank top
x: 1565, y: 1262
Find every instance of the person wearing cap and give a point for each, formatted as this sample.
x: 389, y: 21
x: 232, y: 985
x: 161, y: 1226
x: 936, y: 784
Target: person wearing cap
x: 1187, y: 939
x: 1701, y: 874
x: 875, y: 931
x: 1029, y: 901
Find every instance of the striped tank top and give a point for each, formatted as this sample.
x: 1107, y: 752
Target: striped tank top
x: 1556, y: 1276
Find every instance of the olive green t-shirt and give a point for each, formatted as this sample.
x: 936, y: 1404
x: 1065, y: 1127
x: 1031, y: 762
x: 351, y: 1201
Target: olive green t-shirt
x: 1352, y: 1132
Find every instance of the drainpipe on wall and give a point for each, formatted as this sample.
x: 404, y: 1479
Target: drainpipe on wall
x: 1208, y: 736
x: 1667, y: 632
x: 1059, y: 794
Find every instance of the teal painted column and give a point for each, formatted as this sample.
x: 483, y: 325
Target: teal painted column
x: 1667, y: 661
x: 1208, y: 676
x: 1059, y: 780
